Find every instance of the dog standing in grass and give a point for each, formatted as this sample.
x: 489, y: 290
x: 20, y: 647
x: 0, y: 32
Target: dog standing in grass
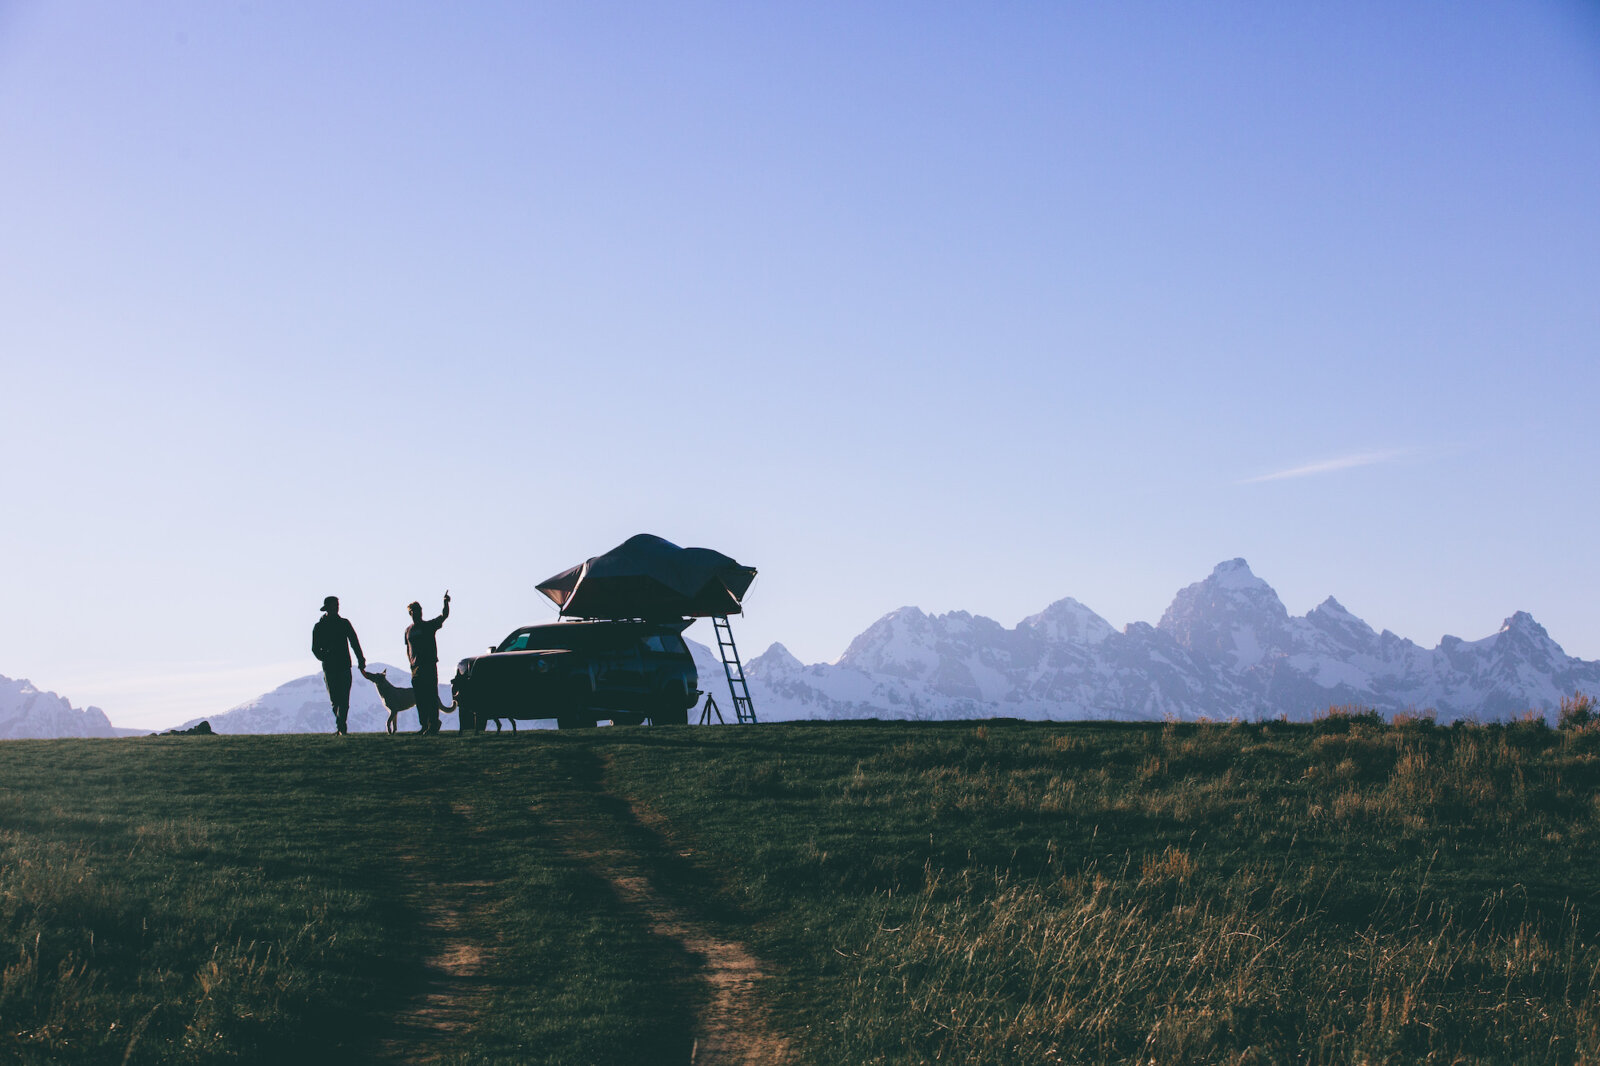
x: 395, y: 699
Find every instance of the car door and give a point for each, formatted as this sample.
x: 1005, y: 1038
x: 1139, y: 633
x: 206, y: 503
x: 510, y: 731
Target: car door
x: 619, y: 676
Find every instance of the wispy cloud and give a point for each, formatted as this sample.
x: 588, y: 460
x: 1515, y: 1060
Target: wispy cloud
x: 1328, y: 466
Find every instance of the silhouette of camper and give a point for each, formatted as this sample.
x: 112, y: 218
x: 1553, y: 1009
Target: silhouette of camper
x: 619, y: 655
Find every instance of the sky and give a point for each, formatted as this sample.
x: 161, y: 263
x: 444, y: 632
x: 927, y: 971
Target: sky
x: 957, y: 305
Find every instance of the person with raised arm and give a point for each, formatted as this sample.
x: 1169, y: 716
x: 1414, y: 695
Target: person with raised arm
x: 422, y: 649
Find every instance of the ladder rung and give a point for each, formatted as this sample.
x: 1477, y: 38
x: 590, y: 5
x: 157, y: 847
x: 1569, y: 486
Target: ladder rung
x: 744, y: 711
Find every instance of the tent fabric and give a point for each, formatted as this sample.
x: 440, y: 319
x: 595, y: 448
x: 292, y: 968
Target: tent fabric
x: 648, y: 577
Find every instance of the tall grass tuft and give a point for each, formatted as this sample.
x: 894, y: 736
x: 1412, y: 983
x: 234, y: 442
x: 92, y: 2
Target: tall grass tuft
x: 1577, y: 712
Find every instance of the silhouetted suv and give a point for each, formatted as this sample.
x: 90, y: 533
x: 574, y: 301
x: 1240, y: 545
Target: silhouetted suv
x: 580, y: 673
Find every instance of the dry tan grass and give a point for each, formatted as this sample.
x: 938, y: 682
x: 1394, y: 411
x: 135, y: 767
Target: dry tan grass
x: 1095, y: 969
x: 1344, y: 892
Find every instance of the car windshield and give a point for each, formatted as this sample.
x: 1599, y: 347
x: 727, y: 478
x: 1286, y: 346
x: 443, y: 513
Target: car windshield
x: 517, y: 641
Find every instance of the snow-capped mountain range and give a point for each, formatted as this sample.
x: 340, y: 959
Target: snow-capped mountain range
x: 1226, y: 648
x: 26, y: 712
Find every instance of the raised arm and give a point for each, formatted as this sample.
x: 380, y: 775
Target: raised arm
x: 444, y: 613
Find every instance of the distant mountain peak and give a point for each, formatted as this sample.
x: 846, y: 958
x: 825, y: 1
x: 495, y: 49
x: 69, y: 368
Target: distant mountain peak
x: 906, y: 614
x: 1522, y: 622
x: 1068, y: 621
x: 1330, y: 612
x: 776, y: 657
x: 900, y: 644
x: 1235, y: 574
x: 1522, y: 637
x: 1330, y: 631
x: 1231, y: 582
x: 1233, y: 612
x: 27, y: 711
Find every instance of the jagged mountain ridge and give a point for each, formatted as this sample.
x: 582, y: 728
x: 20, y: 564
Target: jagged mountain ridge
x: 27, y: 712
x: 1225, y: 648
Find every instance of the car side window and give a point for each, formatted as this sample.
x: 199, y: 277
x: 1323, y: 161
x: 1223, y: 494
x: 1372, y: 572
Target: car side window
x: 666, y: 644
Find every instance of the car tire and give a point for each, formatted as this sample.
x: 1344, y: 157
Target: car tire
x: 671, y: 717
x: 575, y: 723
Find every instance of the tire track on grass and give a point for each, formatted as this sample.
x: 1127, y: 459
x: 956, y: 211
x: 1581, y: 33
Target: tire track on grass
x: 733, y: 1025
x: 426, y: 1025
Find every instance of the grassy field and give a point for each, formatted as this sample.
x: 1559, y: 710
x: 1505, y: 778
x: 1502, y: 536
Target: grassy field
x: 1346, y: 891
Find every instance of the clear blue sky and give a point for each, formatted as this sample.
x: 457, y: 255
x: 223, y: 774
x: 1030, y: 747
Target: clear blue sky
x: 968, y: 306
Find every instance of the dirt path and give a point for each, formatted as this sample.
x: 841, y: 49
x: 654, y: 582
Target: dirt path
x: 733, y: 1026
x: 626, y: 849
x: 422, y: 1027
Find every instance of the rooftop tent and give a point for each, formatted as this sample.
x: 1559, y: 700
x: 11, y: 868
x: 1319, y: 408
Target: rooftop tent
x: 647, y: 577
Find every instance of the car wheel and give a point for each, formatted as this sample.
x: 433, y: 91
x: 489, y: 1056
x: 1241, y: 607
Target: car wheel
x: 671, y: 717
x: 575, y: 723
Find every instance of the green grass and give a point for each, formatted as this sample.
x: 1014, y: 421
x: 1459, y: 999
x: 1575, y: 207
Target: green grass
x: 198, y: 900
x: 979, y: 893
